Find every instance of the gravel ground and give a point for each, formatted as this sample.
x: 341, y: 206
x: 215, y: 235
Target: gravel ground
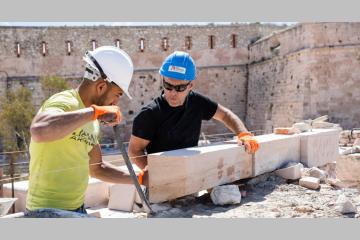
x: 266, y: 196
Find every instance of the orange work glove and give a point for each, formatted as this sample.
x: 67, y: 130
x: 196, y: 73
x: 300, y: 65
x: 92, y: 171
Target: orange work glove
x: 248, y: 140
x: 107, y: 114
x: 140, y: 177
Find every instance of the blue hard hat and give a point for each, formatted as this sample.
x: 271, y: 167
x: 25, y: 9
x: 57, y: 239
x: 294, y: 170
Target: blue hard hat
x: 179, y: 65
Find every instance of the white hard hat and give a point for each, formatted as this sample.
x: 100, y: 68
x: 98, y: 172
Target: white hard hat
x: 111, y: 64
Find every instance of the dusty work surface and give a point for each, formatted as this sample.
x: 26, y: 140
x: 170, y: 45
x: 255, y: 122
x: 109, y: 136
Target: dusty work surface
x: 267, y: 196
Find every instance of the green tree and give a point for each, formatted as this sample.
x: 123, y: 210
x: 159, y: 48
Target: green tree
x: 16, y: 115
x: 53, y: 84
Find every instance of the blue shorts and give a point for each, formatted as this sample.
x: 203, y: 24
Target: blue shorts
x: 57, y: 213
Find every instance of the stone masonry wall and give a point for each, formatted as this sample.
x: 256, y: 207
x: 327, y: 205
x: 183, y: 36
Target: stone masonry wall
x: 222, y: 71
x: 309, y: 70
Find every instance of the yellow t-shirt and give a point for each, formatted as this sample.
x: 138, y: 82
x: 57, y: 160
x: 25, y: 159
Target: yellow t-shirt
x: 59, y: 170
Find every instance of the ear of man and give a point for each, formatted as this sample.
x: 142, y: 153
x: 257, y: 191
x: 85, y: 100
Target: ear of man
x: 101, y: 87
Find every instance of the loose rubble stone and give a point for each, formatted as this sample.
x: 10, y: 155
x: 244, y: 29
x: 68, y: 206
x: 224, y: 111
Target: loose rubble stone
x: 228, y: 194
x: 355, y: 134
x: 302, y: 127
x: 344, y: 205
x: 317, y: 173
x: 292, y: 172
x: 330, y: 169
x: 310, y: 182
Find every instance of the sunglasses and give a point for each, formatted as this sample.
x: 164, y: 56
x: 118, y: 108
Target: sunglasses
x: 178, y: 88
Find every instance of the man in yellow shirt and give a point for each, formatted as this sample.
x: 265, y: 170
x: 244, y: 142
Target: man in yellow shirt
x: 64, y: 146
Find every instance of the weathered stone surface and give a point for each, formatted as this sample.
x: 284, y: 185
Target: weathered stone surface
x: 122, y: 197
x: 302, y: 127
x: 97, y: 193
x: 324, y: 125
x: 317, y: 173
x: 274, y: 151
x: 195, y: 169
x: 312, y: 75
x: 348, y: 167
x: 341, y: 184
x: 319, y: 147
x: 344, y: 205
x: 228, y: 194
x: 355, y: 134
x: 5, y: 205
x: 110, y: 213
x: 310, y: 182
x: 292, y: 172
x: 222, y: 62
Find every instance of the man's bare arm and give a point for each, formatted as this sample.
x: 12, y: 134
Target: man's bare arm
x: 229, y: 119
x: 53, y: 125
x: 106, y: 171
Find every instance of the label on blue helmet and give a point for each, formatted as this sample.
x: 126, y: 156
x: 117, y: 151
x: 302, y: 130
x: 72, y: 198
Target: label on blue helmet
x: 177, y: 69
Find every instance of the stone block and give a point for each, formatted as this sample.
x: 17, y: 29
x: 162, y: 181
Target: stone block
x: 96, y: 193
x: 310, y: 182
x: 292, y: 172
x: 317, y: 173
x: 355, y: 134
x: 344, y: 205
x: 122, y: 197
x: 275, y: 151
x: 104, y: 212
x: 319, y: 147
x: 182, y: 172
x: 348, y: 167
x: 228, y: 194
x: 5, y: 205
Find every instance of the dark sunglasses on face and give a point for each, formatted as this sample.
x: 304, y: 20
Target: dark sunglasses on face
x: 178, y: 88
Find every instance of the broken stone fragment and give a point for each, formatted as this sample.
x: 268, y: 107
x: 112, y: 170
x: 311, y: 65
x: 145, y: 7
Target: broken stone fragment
x: 355, y: 134
x: 227, y: 194
x: 344, y: 205
x: 292, y: 171
x: 350, y: 150
x: 345, y: 134
x: 323, y: 125
x: 310, y: 182
x: 302, y: 127
x: 317, y: 173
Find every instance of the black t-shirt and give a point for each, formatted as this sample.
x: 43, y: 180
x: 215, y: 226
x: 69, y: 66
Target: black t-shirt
x: 169, y: 128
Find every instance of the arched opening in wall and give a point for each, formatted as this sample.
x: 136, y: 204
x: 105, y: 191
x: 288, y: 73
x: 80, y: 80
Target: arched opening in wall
x: 17, y: 49
x: 211, y: 41
x: 117, y: 43
x: 44, y: 49
x: 93, y: 44
x: 165, y: 43
x: 68, y: 48
x: 234, y: 38
x: 188, y: 43
x: 142, y: 45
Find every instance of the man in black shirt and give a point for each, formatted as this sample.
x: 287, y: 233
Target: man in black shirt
x: 173, y: 120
